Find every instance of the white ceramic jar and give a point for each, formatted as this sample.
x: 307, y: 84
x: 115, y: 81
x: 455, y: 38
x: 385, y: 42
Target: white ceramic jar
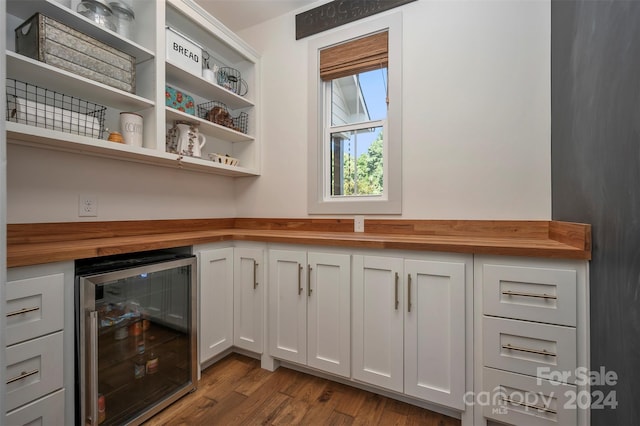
x: 131, y: 127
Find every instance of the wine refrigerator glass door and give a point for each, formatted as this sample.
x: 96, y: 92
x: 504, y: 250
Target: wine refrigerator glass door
x: 139, y: 349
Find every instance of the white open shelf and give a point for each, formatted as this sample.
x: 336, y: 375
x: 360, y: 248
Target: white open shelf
x: 208, y: 127
x: 204, y: 88
x: 23, y: 134
x: 40, y: 74
x: 152, y: 74
x: 26, y: 8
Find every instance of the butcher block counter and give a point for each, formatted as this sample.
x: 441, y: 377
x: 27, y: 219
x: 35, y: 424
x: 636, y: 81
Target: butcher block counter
x: 37, y: 243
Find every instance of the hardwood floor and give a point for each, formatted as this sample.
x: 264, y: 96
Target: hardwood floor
x: 236, y: 391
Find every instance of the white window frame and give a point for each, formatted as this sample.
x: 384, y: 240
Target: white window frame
x: 319, y: 200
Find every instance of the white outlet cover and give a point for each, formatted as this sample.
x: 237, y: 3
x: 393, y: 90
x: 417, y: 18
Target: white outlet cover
x: 358, y: 224
x: 87, y: 206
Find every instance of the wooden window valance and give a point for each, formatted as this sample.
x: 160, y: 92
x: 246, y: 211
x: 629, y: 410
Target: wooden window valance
x: 355, y: 56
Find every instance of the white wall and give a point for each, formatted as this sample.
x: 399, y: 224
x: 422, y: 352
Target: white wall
x: 476, y: 131
x: 476, y: 113
x: 44, y: 185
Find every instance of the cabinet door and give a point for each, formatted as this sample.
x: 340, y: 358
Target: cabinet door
x: 329, y: 312
x: 248, y: 301
x: 378, y: 321
x: 216, y: 301
x: 288, y: 305
x: 434, y: 355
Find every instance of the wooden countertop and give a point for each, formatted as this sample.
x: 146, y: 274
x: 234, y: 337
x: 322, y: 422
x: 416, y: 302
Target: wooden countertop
x: 30, y: 244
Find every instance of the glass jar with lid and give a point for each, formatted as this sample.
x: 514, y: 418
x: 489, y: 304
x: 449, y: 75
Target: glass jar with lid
x: 123, y: 17
x: 98, y: 11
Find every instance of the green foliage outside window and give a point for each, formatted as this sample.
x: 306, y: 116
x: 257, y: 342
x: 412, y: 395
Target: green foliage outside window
x: 366, y: 171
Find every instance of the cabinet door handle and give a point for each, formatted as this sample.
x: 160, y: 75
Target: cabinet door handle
x: 299, y: 279
x: 23, y: 311
x: 408, y: 292
x: 522, y: 404
x: 531, y: 351
x: 309, y: 279
x: 396, y: 285
x: 255, y: 274
x: 22, y: 375
x: 517, y: 293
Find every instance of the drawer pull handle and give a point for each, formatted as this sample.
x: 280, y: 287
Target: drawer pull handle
x: 309, y: 280
x: 396, y: 291
x: 299, y: 279
x: 255, y: 274
x: 23, y: 311
x: 517, y: 293
x: 408, y: 292
x: 536, y: 407
x: 22, y: 375
x: 531, y: 351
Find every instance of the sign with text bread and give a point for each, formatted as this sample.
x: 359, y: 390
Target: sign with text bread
x: 183, y: 52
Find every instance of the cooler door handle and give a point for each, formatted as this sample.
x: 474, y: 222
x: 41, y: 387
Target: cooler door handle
x: 92, y: 367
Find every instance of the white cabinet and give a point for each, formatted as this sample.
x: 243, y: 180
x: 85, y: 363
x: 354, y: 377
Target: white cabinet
x: 434, y: 355
x: 45, y: 411
x: 39, y: 333
x: 148, y: 47
x: 33, y: 369
x: 231, y: 299
x: 34, y: 307
x: 531, y: 324
x: 287, y: 315
x: 378, y: 321
x: 310, y: 308
x: 409, y: 325
x: 215, y: 301
x: 248, y: 300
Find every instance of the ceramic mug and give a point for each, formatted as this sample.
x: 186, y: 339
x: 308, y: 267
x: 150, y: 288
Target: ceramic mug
x: 209, y: 75
x: 131, y: 128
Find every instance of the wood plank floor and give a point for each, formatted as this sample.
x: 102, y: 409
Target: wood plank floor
x: 236, y: 391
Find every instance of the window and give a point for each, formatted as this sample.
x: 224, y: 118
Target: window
x: 355, y: 137
x: 355, y: 133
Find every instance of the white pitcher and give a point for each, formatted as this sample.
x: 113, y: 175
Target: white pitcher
x: 190, y: 141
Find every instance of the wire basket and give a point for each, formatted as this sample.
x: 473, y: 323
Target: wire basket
x: 218, y: 113
x: 231, y: 79
x: 41, y: 107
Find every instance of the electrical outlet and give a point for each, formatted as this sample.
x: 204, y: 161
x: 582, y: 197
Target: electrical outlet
x: 358, y: 224
x: 87, y: 206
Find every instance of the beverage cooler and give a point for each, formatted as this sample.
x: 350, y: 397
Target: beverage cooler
x: 135, y: 335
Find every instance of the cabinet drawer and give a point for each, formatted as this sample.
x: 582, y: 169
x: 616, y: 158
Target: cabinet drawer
x: 34, y: 307
x: 525, y: 400
x: 34, y: 369
x: 523, y: 347
x: 45, y: 411
x: 535, y: 294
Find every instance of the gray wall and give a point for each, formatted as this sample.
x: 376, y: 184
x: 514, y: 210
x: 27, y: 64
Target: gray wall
x: 595, y: 134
